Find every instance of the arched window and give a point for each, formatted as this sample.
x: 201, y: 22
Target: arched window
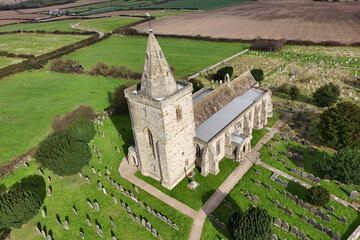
x: 198, y: 153
x: 150, y: 139
x: 178, y: 113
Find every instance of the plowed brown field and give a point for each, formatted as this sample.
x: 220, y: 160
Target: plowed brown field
x: 272, y: 19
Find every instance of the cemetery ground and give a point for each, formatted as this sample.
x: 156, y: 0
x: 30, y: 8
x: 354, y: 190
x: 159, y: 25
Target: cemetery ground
x: 74, y: 191
x: 36, y: 44
x: 188, y: 56
x: 107, y: 24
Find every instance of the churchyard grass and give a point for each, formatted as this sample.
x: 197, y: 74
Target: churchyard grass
x: 266, y: 199
x: 208, y: 185
x: 40, y: 95
x: 63, y: 25
x: 341, y: 191
x: 36, y: 44
x: 339, y: 51
x: 5, y: 61
x: 73, y: 190
x: 188, y: 56
x: 272, y: 120
x: 199, y: 4
x: 108, y: 24
x: 257, y: 135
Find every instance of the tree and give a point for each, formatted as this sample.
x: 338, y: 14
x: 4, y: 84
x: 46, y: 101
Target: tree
x: 221, y: 73
x: 258, y: 74
x: 17, y: 207
x: 294, y: 92
x: 197, y: 84
x: 327, y: 95
x: 339, y: 126
x: 343, y: 166
x: 82, y: 112
x: 254, y: 224
x: 61, y: 154
x: 119, y: 100
x: 82, y: 131
x: 318, y: 196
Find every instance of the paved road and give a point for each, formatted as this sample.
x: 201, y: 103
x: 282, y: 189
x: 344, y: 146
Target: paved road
x: 77, y: 26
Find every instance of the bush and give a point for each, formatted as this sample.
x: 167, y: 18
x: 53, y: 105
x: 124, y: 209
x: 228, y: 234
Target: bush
x: 318, y: 196
x: 17, y: 207
x: 67, y: 66
x: 99, y: 69
x: 197, y: 84
x: 221, y: 73
x: 119, y: 100
x: 294, y: 92
x: 255, y: 223
x: 82, y: 112
x: 284, y: 88
x: 82, y: 131
x: 339, y: 126
x: 61, y: 154
x: 343, y: 166
x: 327, y: 95
x: 267, y: 45
x: 258, y: 74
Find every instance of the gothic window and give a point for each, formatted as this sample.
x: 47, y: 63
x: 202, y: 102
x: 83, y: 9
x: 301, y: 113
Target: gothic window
x: 147, y: 56
x: 218, y: 149
x: 178, y: 113
x: 238, y: 126
x: 151, y: 140
x: 244, y: 149
x: 198, y: 153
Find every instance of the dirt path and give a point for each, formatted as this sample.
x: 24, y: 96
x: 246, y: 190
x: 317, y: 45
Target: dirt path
x: 76, y: 26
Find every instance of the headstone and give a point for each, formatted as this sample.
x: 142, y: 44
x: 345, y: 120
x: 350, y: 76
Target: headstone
x: 274, y: 156
x: 89, y: 204
x: 49, y: 192
x: 143, y: 222
x: 88, y: 221
x: 276, y: 203
x: 312, y: 222
x: 43, y: 233
x: 317, y: 180
x: 43, y: 213
x: 330, y: 209
x: 141, y: 204
x: 289, y: 195
x: 304, y: 175
x: 257, y: 182
x: 319, y: 227
x: 104, y: 191
x: 255, y: 198
x: 49, y: 179
x: 306, y: 206
x: 99, y: 186
x: 354, y: 195
x: 268, y: 187
x: 319, y: 213
x: 277, y: 222
x: 311, y: 177
x: 112, y: 223
x: 114, y: 199
x: 80, y: 174
x: 301, y: 166
x: 96, y: 206
x: 283, y: 153
x: 327, y: 218
x: 58, y: 222
x: 300, y: 202
x: 87, y: 180
x: 153, y: 231
x: 289, y: 212
x: 274, y: 237
x: 285, y: 226
x: 313, y: 210
x: 327, y: 177
x: 93, y: 169
x: 128, y: 209
x: 148, y: 226
x: 66, y: 224
x: 274, y: 176
x: 82, y: 235
x: 283, y: 208
x: 295, y: 198
x: 328, y: 231
x: 258, y: 171
x: 304, y: 218
x: 284, y: 183
x: 99, y: 173
x: 283, y: 193
x: 75, y: 211
x: 294, y: 230
x: 336, y: 236
x: 343, y: 220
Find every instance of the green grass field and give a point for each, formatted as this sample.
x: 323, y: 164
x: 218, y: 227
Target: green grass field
x: 199, y: 4
x: 257, y: 135
x: 195, y: 199
x: 73, y: 190
x: 36, y: 44
x: 30, y: 100
x: 63, y: 25
x: 108, y: 24
x: 5, y: 61
x: 266, y: 198
x: 188, y: 56
x: 276, y: 116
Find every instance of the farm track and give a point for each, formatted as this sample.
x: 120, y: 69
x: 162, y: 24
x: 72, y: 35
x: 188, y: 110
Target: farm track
x: 271, y: 19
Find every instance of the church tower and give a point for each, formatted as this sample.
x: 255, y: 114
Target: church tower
x: 162, y: 118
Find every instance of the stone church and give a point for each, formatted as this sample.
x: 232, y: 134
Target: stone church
x: 176, y: 131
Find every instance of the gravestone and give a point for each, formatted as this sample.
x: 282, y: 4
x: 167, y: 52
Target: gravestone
x: 141, y: 204
x: 257, y: 182
x: 282, y: 161
x: 49, y: 179
x: 283, y: 153
x: 284, y: 183
x: 114, y: 199
x: 75, y: 211
x: 148, y: 226
x: 104, y: 191
x: 268, y: 187
x: 327, y: 177
x: 277, y: 222
x: 58, y: 222
x: 143, y: 222
x: 66, y: 224
x: 301, y: 166
x: 336, y: 236
x: 283, y: 208
x: 255, y: 198
x: 128, y: 209
x: 80, y: 174
x: 300, y: 234
x: 319, y: 213
x: 274, y: 155
x: 304, y: 175
x: 319, y: 227
x: 159, y: 215
x: 43, y: 213
x: 153, y: 231
x: 289, y: 212
x: 289, y: 195
x: 306, y: 206
x: 330, y: 209
x: 328, y: 231
x: 300, y: 202
x: 343, y: 220
x: 175, y: 227
x: 88, y: 221
x: 49, y: 192
x: 274, y: 176
x: 82, y: 235
x: 311, y: 177
x: 274, y: 237
x: 93, y: 170
x: 108, y: 171
x: 327, y: 218
x: 283, y: 193
x: 317, y: 180
x: 354, y: 195
x: 99, y: 173
x: 294, y: 230
x: 285, y: 226
x: 276, y: 203
x: 99, y: 185
x: 304, y: 218
x: 312, y: 222
x: 270, y: 145
x: 87, y: 180
x: 258, y: 171
x: 89, y: 204
x: 295, y: 198
x: 313, y: 210
x: 43, y: 233
x: 112, y: 223
x: 96, y: 206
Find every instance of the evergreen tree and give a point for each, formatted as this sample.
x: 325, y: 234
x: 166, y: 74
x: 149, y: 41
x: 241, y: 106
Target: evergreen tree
x: 82, y: 131
x: 318, y: 196
x: 327, y: 95
x: 343, y: 166
x: 221, y: 73
x: 339, y: 126
x: 254, y: 224
x: 17, y: 207
x: 258, y: 74
x: 197, y: 84
x: 294, y: 93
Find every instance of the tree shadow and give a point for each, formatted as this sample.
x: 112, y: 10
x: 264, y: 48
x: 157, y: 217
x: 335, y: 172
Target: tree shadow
x: 2, y: 189
x: 296, y: 189
x: 352, y: 226
x: 5, y: 233
x: 35, y: 183
x: 345, y: 191
x: 124, y: 129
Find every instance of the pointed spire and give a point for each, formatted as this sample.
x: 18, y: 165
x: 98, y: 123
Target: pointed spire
x: 157, y: 79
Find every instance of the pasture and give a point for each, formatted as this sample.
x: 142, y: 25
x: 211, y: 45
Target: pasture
x: 36, y: 44
x: 108, y: 24
x: 188, y: 56
x: 63, y: 25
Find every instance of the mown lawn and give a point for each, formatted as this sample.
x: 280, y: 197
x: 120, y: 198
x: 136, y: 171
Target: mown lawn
x: 188, y: 56
x: 36, y: 44
x: 276, y: 116
x: 5, y: 61
x: 63, y: 25
x: 195, y: 199
x: 108, y: 24
x: 73, y: 190
x: 30, y: 100
x: 266, y: 199
x: 257, y: 135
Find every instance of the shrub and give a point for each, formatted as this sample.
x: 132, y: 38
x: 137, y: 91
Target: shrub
x: 67, y: 66
x: 267, y: 45
x: 17, y: 207
x: 339, y: 126
x: 327, y: 95
x: 99, y: 69
x: 61, y: 154
x: 82, y: 131
x: 197, y: 84
x: 343, y: 166
x: 82, y: 112
x: 255, y: 223
x: 294, y: 92
x: 258, y: 74
x: 318, y: 196
x: 221, y: 73
x: 119, y: 100
x: 284, y: 88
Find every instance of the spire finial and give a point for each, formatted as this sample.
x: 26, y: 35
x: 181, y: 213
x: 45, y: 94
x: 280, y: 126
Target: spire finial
x: 148, y: 14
